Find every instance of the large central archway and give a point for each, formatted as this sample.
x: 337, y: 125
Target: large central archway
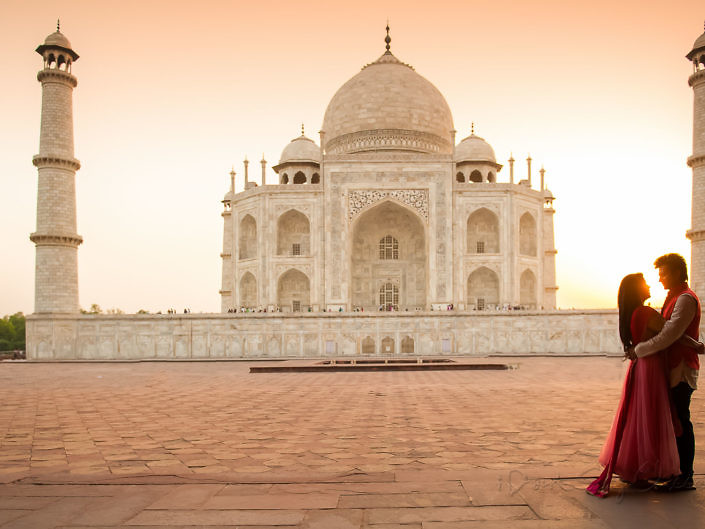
x: 388, y: 251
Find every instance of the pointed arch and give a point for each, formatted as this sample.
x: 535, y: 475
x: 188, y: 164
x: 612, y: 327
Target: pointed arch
x: 367, y: 347
x: 388, y: 345
x: 483, y: 288
x: 408, y: 270
x: 248, y: 237
x: 293, y: 233
x: 407, y: 345
x: 248, y: 290
x: 527, y: 235
x: 299, y: 178
x: 475, y: 176
x: 293, y: 291
x: 460, y: 177
x: 527, y: 289
x: 315, y: 178
x: 491, y: 177
x: 285, y: 178
x: 482, y: 232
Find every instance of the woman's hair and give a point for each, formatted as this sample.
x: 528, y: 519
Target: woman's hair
x: 628, y: 299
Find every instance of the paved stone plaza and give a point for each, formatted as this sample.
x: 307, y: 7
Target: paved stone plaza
x: 208, y: 444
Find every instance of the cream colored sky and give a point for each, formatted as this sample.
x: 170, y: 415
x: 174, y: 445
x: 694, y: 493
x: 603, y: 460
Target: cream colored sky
x: 172, y: 94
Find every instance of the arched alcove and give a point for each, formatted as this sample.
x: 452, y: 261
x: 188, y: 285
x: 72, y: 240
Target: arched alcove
x: 407, y: 345
x: 293, y: 291
x: 482, y: 232
x: 293, y: 234
x: 315, y: 178
x: 527, y: 234
x: 373, y: 263
x: 483, y: 288
x: 527, y: 289
x: 491, y: 177
x: 299, y: 178
x: 475, y: 176
x: 388, y: 345
x: 285, y: 178
x: 248, y: 237
x: 460, y: 177
x: 248, y: 290
x: 368, y: 346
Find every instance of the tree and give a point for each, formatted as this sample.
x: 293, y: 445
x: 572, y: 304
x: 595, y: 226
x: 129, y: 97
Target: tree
x: 12, y: 332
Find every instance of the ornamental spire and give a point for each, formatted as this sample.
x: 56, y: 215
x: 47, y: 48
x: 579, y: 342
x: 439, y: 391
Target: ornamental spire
x: 388, y: 39
x: 58, y: 26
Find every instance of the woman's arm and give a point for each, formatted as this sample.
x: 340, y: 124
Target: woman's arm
x: 692, y: 343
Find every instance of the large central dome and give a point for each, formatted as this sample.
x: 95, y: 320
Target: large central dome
x: 387, y: 106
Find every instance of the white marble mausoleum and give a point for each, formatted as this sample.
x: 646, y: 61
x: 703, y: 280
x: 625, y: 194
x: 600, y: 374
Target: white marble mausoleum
x: 389, y: 212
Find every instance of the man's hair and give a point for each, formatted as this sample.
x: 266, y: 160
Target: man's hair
x: 674, y: 263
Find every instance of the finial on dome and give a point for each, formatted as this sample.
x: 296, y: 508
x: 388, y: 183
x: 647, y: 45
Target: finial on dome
x: 388, y: 39
x: 58, y: 25
x: 302, y: 129
x: 472, y: 128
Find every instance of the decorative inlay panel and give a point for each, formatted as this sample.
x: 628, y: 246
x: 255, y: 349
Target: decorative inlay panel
x: 360, y: 200
x: 387, y: 139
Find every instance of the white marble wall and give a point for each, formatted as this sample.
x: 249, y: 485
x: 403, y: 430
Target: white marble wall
x: 219, y: 336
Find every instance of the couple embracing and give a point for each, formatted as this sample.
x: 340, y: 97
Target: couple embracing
x: 651, y: 443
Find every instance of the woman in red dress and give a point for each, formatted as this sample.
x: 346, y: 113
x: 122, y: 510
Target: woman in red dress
x: 642, y: 442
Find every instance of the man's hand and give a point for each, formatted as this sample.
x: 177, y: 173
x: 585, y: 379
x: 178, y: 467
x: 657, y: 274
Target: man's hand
x: 630, y: 352
x: 700, y: 348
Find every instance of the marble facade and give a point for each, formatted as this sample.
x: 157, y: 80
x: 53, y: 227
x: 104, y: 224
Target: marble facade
x: 303, y: 335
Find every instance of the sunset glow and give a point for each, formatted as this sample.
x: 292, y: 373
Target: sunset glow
x: 172, y: 95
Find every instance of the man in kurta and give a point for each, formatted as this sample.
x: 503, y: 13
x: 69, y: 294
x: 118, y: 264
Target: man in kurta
x: 681, y: 310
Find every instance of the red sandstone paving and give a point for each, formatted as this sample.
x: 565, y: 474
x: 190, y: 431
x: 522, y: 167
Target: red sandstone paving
x: 211, y: 445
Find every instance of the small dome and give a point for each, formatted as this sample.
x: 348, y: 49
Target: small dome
x: 698, y: 46
x: 301, y: 149
x: 474, y: 149
x: 57, y: 39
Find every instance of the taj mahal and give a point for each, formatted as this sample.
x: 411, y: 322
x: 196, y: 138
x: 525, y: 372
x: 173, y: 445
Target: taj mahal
x: 387, y: 237
x: 389, y: 213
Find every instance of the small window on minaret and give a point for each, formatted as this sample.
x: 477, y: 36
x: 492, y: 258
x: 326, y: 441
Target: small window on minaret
x: 480, y: 246
x: 296, y: 249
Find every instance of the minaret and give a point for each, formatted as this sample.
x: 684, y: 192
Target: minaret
x: 696, y: 234
x: 56, y: 240
x: 549, y: 248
